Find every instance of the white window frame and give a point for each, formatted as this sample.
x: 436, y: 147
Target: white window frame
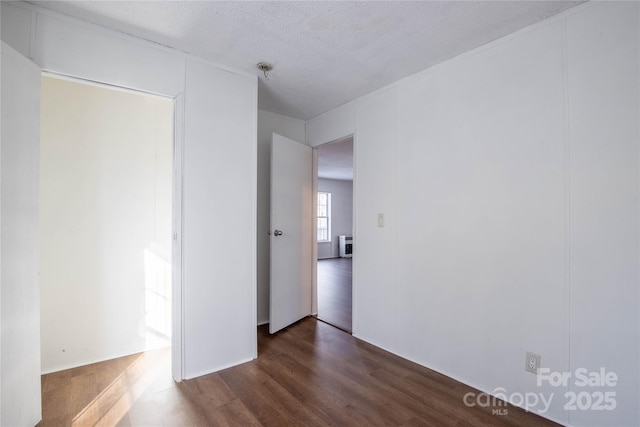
x: 328, y: 217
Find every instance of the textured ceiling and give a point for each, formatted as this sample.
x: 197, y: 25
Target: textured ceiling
x: 324, y: 53
x: 335, y: 160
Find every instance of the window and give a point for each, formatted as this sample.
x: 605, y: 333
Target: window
x: 324, y: 217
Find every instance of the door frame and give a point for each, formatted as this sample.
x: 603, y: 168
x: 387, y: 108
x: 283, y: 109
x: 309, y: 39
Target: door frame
x: 314, y: 253
x: 177, y: 311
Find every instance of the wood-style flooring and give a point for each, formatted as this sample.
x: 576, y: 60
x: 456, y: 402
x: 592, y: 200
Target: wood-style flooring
x: 309, y: 374
x: 334, y: 292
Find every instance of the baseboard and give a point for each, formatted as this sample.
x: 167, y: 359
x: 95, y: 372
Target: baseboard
x: 219, y: 368
x: 97, y: 360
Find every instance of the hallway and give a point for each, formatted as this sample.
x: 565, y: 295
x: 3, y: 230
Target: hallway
x: 334, y: 292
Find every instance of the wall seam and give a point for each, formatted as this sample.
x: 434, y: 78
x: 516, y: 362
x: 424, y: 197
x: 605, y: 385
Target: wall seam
x: 183, y: 293
x: 567, y: 198
x: 33, y: 34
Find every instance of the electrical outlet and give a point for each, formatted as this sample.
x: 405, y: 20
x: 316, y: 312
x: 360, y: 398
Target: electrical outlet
x: 532, y: 363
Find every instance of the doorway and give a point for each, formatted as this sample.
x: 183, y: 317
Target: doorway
x: 106, y: 202
x: 335, y: 242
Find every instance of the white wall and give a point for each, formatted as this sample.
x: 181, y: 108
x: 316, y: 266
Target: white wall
x: 19, y: 281
x: 341, y: 214
x: 216, y: 127
x: 105, y: 223
x: 509, y: 182
x: 295, y: 129
x: 219, y: 218
x: 603, y: 126
x: 332, y: 125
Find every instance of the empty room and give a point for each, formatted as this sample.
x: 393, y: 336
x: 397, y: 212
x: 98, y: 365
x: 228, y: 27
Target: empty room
x: 474, y: 259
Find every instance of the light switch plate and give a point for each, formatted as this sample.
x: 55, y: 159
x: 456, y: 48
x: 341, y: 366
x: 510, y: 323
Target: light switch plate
x: 380, y: 220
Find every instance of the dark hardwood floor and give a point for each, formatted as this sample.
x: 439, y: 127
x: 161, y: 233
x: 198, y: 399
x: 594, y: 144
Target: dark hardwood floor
x: 334, y: 292
x: 309, y: 374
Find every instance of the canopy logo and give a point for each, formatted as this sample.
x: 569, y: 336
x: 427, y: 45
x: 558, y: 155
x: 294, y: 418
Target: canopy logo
x: 498, y: 399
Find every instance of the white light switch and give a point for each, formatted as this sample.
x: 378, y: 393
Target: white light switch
x: 380, y: 220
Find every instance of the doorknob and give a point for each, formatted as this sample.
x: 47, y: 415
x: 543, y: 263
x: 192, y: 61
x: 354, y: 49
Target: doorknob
x: 277, y: 233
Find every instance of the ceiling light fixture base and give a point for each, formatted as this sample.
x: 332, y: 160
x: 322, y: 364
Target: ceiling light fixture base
x: 265, y: 67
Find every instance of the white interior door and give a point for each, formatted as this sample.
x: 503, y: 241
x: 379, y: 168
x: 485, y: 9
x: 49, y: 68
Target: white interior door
x: 19, y: 247
x: 291, y: 232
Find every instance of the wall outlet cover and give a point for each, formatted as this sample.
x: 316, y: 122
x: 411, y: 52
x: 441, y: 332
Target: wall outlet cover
x: 532, y: 362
